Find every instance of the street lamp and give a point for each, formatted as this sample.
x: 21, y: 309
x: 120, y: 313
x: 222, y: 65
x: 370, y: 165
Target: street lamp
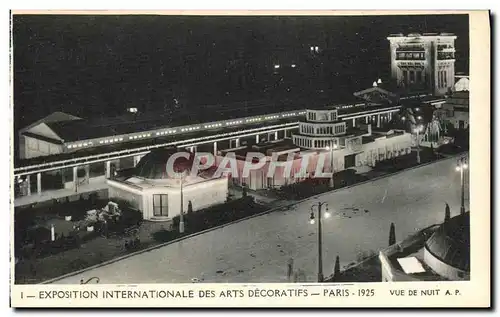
x: 461, y: 167
x: 320, y: 242
x: 417, y: 130
x: 331, y: 148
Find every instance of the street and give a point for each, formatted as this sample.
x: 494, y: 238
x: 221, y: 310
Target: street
x: 257, y: 250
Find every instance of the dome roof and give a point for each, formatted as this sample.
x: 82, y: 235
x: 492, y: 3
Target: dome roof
x: 451, y: 242
x: 154, y: 164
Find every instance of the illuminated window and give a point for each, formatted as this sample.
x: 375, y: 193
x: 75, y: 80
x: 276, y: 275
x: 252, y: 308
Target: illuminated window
x: 160, y: 205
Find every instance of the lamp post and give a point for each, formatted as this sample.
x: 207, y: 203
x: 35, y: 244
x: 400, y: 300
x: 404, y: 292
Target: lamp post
x: 461, y: 167
x: 331, y: 148
x: 320, y: 234
x: 181, y: 215
x: 417, y: 130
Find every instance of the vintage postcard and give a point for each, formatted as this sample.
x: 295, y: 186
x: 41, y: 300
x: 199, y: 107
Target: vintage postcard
x: 250, y: 159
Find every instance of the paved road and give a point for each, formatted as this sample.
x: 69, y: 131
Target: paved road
x: 257, y: 250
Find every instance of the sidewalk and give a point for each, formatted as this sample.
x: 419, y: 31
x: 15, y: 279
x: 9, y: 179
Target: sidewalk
x: 59, y: 193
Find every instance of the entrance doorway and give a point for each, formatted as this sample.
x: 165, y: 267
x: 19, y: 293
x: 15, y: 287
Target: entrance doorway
x: 349, y: 161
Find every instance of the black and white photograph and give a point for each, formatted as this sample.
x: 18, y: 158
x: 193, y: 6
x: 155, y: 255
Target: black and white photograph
x: 191, y: 149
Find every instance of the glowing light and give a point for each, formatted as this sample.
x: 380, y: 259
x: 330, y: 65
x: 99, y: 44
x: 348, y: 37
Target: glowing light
x: 374, y: 84
x: 132, y: 110
x: 464, y: 166
x: 457, y: 168
x: 276, y: 66
x: 316, y: 49
x: 293, y: 65
x: 327, y: 215
x: 312, y: 221
x: 379, y: 81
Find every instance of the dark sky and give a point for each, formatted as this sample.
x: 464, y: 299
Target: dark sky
x: 99, y: 65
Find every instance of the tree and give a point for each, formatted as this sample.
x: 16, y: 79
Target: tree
x: 392, y: 234
x: 446, y: 213
x: 336, y: 269
x: 190, y: 207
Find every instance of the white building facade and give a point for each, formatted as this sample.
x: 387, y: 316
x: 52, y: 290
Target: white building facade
x: 159, y: 197
x: 423, y: 61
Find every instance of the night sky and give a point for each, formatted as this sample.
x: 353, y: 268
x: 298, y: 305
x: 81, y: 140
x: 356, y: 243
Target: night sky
x: 100, y: 65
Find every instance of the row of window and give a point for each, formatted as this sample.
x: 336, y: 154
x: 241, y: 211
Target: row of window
x: 442, y: 79
x: 411, y: 56
x: 445, y: 55
x: 413, y: 76
x: 350, y: 106
x: 328, y: 130
x: 79, y: 145
x: 171, y: 131
x: 190, y: 129
x: 322, y: 116
x: 166, y: 132
x: 312, y: 143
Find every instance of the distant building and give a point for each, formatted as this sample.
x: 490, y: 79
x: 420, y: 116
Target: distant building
x: 423, y: 61
x: 321, y: 134
x: 455, y: 110
x: 462, y: 83
x: 351, y: 147
x: 151, y: 190
x: 437, y: 253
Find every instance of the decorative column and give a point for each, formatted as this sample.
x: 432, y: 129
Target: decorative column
x: 87, y: 174
x: 257, y: 139
x: 215, y: 148
x: 75, y: 178
x: 275, y: 135
x: 107, y: 169
x: 237, y: 143
x: 366, y: 119
x: 28, y: 183
x: 39, y: 183
x: 137, y: 158
x: 378, y: 121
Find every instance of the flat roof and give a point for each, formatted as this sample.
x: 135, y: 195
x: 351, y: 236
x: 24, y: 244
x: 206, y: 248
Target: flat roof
x: 413, y: 247
x: 135, y: 144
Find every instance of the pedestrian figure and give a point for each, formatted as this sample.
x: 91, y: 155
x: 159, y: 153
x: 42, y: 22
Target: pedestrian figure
x: 289, y: 268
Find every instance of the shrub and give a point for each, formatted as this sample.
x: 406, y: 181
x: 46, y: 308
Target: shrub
x: 218, y: 215
x: 61, y: 244
x: 392, y: 234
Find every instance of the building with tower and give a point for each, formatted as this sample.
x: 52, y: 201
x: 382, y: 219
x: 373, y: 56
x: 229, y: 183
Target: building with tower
x: 423, y: 62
